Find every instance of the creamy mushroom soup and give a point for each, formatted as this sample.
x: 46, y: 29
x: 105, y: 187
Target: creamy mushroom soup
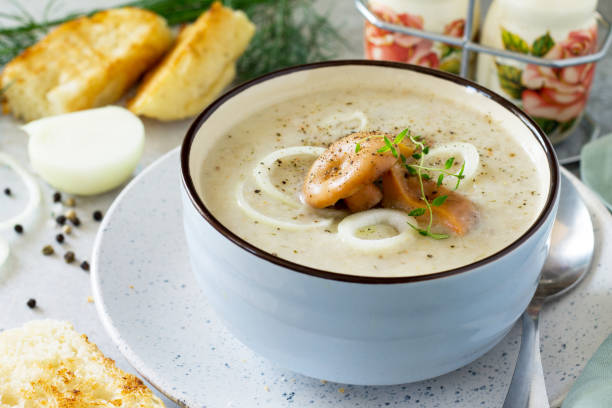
x: 364, y: 207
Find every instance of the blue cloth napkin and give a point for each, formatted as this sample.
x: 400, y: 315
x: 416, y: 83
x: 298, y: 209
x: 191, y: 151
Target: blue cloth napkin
x: 593, y: 388
x: 596, y: 167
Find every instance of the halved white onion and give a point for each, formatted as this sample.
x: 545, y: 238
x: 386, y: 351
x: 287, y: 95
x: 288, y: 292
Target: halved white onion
x: 468, y: 153
x: 86, y: 152
x: 348, y: 227
x: 258, y: 216
x: 339, y: 118
x: 261, y: 172
x: 33, y: 192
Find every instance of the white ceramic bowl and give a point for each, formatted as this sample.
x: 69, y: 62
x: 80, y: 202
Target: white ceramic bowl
x: 355, y: 329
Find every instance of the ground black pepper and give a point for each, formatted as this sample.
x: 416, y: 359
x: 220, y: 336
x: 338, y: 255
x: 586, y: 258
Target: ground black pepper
x: 31, y: 303
x: 97, y: 215
x: 69, y: 257
x: 18, y: 228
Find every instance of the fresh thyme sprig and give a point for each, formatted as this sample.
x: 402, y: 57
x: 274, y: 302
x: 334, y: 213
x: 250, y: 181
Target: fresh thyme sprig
x: 418, y: 170
x: 289, y: 32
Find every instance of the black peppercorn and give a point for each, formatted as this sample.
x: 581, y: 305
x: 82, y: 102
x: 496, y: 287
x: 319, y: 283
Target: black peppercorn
x: 69, y: 257
x: 18, y: 228
x: 85, y: 266
x: 97, y: 215
x: 7, y: 191
x: 59, y: 238
x: 75, y: 221
x: 31, y: 303
x: 57, y: 197
x: 61, y: 219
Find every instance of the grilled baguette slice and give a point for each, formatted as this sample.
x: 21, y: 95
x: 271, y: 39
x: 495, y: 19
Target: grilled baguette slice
x: 46, y: 363
x: 84, y: 63
x: 198, y: 67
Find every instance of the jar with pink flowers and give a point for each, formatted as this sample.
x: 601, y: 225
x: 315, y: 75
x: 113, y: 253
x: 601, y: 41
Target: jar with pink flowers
x: 553, y: 29
x: 439, y: 16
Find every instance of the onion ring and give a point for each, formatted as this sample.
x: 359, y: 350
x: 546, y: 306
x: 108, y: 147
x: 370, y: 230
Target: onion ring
x: 261, y: 172
x: 256, y: 215
x: 396, y: 218
x: 33, y: 192
x: 468, y: 152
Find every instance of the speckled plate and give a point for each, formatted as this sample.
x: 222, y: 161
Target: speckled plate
x: 150, y: 304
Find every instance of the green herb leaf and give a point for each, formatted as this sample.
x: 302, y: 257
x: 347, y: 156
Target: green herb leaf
x: 460, y: 176
x: 438, y: 201
x: 512, y: 42
x: 449, y: 163
x: 417, y: 212
x: 437, y: 236
x: 383, y: 149
x: 416, y: 156
x: 542, y: 45
x: 389, y: 145
x: 403, y: 158
x: 425, y: 176
x: 426, y: 150
x: 400, y: 136
x: 510, y: 80
x: 411, y: 170
x: 357, y: 148
x: 440, y: 179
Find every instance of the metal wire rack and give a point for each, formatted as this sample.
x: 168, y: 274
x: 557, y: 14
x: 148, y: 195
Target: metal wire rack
x: 469, y: 47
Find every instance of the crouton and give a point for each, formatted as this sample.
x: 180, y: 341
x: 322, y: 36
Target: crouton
x: 84, y: 63
x: 198, y: 67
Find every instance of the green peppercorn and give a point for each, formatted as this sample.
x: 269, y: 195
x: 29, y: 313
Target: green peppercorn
x: 47, y: 250
x: 69, y: 257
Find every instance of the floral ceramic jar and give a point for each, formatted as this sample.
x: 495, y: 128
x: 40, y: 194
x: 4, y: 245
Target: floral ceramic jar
x: 552, y: 29
x: 440, y: 16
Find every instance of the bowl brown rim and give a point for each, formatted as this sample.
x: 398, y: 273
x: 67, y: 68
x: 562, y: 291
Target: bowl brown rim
x: 553, y: 190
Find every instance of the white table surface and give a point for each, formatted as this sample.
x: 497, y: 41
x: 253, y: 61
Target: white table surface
x: 62, y: 290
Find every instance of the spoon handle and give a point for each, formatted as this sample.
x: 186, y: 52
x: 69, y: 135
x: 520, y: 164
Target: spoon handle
x: 538, y: 398
x: 527, y: 385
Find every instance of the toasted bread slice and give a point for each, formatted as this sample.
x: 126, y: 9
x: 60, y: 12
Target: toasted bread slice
x: 84, y: 63
x: 46, y: 363
x: 197, y: 68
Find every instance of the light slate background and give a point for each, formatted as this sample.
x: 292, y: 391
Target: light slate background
x: 61, y: 290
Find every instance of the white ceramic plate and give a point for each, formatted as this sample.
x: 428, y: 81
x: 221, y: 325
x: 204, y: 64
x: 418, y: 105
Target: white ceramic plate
x: 150, y: 304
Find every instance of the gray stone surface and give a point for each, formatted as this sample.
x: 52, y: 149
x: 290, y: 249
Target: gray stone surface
x: 62, y: 290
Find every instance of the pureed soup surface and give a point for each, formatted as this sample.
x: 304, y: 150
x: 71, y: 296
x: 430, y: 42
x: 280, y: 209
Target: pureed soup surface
x: 255, y: 191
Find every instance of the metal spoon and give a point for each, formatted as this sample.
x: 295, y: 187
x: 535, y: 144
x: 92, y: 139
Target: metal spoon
x: 571, y: 251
